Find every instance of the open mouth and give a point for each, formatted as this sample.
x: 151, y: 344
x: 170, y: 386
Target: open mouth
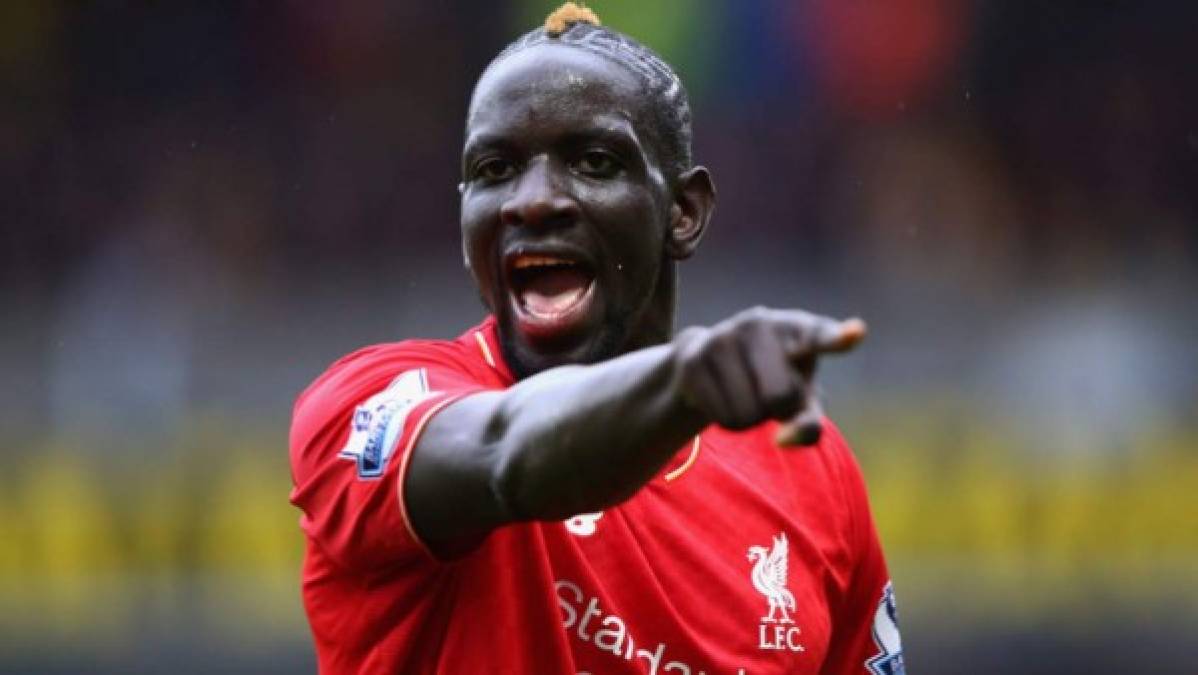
x: 551, y: 294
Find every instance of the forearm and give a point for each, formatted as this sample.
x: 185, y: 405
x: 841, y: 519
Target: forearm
x: 583, y: 438
x: 567, y: 441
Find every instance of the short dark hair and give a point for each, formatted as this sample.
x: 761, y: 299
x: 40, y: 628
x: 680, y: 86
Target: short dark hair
x: 668, y: 106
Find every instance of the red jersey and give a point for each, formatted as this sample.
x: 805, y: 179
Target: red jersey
x: 738, y: 558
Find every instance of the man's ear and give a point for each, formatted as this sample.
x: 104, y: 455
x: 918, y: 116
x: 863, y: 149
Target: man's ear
x: 694, y: 202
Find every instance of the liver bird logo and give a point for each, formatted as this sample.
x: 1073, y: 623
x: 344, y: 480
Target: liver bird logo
x: 769, y: 578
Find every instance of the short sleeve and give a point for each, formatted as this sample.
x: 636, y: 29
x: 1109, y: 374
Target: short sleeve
x: 351, y: 435
x: 865, y: 633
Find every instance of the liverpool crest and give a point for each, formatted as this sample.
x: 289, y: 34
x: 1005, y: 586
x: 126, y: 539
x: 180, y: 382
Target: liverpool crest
x: 769, y: 578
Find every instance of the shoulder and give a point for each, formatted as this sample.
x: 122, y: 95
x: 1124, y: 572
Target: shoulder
x: 461, y: 360
x: 834, y: 453
x: 832, y: 443
x: 375, y: 388
x: 851, y: 483
x: 370, y: 367
x: 409, y: 368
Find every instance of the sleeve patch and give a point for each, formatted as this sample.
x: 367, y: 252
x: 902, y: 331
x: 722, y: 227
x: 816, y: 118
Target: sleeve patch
x: 889, y: 660
x: 378, y: 423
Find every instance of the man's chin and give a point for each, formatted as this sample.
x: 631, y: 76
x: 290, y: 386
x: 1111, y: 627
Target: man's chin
x: 528, y: 355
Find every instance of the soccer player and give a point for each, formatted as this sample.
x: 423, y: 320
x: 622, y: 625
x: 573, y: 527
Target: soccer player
x: 569, y: 486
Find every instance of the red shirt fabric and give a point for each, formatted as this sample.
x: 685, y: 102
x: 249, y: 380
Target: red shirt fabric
x: 738, y: 558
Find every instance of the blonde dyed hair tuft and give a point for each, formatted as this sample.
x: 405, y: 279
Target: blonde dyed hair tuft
x: 560, y: 19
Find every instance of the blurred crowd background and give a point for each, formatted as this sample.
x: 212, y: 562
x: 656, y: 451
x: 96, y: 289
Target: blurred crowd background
x: 207, y: 203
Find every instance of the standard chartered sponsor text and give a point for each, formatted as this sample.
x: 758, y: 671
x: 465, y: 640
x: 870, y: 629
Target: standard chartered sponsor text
x: 585, y: 620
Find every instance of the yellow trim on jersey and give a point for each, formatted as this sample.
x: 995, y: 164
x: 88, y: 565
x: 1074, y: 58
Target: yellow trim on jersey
x: 482, y: 344
x: 402, y: 472
x: 690, y: 461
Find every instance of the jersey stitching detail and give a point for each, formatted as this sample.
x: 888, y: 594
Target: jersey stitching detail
x: 686, y: 466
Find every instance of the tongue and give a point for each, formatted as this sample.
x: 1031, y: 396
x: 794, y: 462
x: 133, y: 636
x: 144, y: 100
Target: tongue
x: 553, y: 291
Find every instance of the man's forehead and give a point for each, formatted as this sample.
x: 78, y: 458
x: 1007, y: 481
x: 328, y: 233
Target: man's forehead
x: 487, y: 129
x: 555, y: 76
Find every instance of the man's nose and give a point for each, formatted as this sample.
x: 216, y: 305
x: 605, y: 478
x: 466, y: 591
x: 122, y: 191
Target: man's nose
x: 539, y: 199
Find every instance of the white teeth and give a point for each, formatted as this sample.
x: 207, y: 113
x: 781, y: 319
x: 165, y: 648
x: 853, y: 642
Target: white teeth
x: 526, y: 261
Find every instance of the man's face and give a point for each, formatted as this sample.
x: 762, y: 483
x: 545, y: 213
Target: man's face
x: 564, y: 208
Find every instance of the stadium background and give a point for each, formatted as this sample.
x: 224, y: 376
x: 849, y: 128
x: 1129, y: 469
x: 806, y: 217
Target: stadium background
x: 205, y: 205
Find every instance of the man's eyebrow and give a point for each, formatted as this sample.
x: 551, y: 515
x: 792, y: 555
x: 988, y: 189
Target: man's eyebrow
x: 606, y: 134
x: 476, y: 142
x: 619, y: 136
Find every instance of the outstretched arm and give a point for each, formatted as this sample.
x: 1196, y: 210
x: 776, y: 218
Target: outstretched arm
x: 583, y: 438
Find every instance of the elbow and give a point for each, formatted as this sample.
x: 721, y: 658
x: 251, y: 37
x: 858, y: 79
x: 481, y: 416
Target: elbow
x: 532, y: 470
x: 506, y: 482
x: 509, y: 487
x: 523, y: 462
x: 526, y: 488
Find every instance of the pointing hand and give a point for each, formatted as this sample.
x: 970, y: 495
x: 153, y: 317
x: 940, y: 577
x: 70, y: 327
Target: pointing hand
x: 759, y: 365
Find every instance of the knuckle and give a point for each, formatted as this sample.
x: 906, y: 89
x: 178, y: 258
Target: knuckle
x: 750, y: 331
x: 740, y: 318
x: 753, y: 316
x: 722, y: 342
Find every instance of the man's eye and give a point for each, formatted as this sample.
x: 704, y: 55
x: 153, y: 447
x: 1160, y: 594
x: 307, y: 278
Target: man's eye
x: 494, y: 169
x: 597, y: 163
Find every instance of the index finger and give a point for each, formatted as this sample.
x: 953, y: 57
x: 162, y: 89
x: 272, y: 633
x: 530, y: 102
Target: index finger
x: 810, y: 334
x: 846, y: 335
